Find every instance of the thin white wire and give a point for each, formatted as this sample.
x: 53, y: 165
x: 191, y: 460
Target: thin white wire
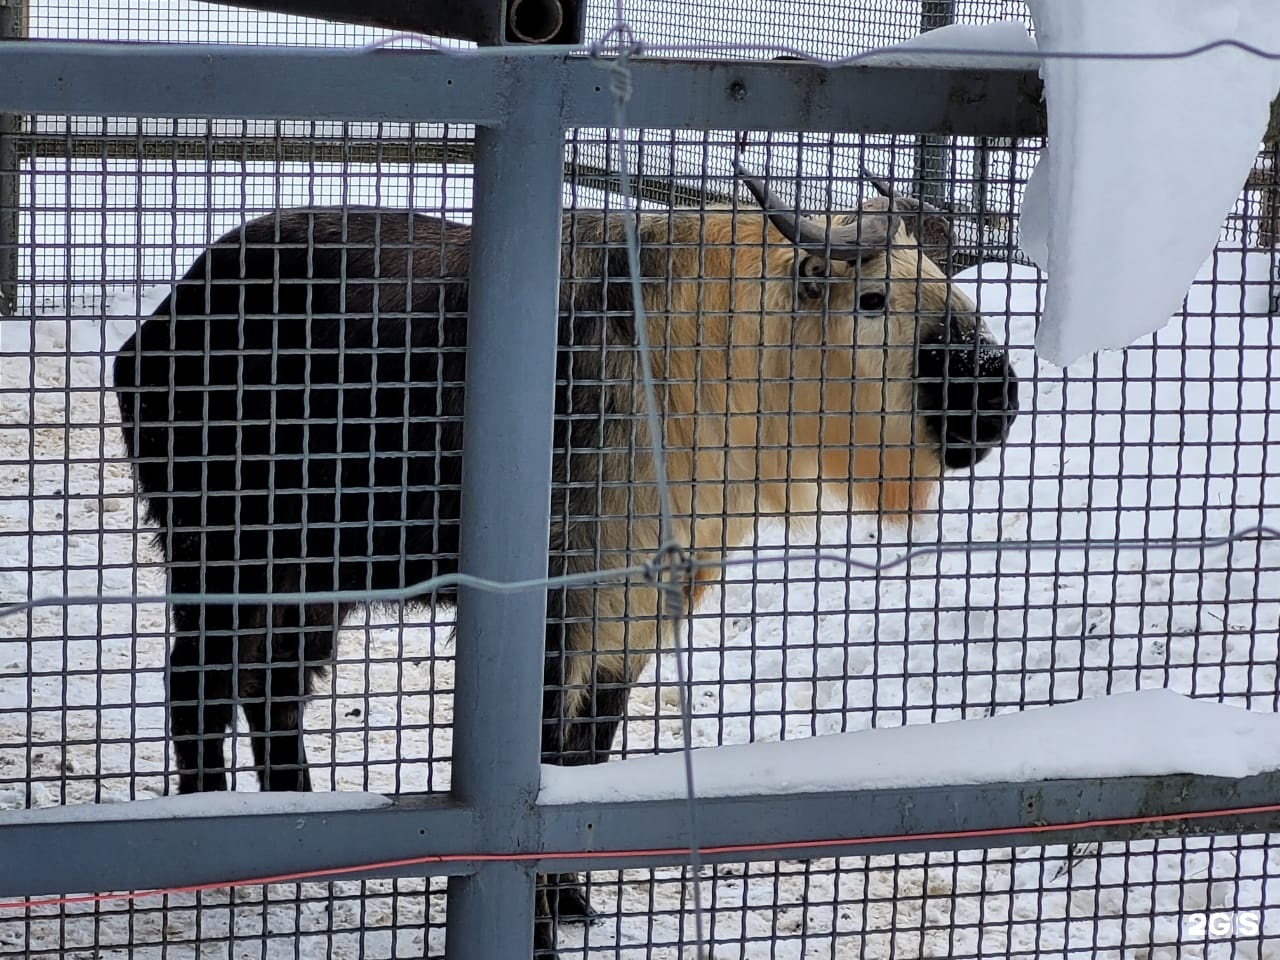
x: 656, y: 570
x: 919, y: 55
x: 620, y: 84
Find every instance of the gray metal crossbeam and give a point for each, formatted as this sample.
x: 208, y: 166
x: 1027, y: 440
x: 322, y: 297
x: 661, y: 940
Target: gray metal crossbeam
x: 971, y: 96
x: 153, y: 853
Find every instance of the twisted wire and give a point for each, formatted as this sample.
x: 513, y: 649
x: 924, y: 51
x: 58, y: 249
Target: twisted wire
x: 670, y: 556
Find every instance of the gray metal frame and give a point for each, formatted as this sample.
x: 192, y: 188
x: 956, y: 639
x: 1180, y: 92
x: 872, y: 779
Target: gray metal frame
x: 523, y: 103
x: 154, y: 851
x: 971, y: 96
x: 13, y: 26
x: 506, y: 500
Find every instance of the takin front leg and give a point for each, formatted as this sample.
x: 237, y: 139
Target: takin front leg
x: 581, y: 714
x: 275, y: 690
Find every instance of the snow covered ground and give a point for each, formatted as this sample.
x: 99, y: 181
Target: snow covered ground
x: 1171, y: 438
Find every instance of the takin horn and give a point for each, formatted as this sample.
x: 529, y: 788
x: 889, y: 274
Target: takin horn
x: 900, y: 200
x: 930, y: 225
x: 850, y: 242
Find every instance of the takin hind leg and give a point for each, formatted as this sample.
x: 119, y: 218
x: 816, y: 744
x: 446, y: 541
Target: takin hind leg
x: 580, y: 717
x: 298, y: 641
x: 200, y: 688
x: 200, y: 673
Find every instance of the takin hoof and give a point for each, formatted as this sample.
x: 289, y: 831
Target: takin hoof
x: 566, y: 896
x: 190, y: 781
x: 544, y: 939
x: 561, y: 896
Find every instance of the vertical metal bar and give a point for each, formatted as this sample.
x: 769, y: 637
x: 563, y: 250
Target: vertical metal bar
x: 506, y: 505
x: 1275, y: 288
x: 932, y: 182
x: 12, y: 27
x: 982, y: 176
x: 10, y: 127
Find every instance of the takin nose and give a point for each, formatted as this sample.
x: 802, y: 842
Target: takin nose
x: 968, y: 395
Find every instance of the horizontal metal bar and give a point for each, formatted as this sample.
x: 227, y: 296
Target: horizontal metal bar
x: 157, y: 80
x: 155, y: 853
x: 959, y: 817
x: 358, y: 150
x: 219, y: 148
x: 40, y: 857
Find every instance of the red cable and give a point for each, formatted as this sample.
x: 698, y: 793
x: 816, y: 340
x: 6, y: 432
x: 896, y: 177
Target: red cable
x: 337, y: 872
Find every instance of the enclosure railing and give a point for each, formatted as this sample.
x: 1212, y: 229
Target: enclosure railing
x: 13, y: 26
x: 490, y: 834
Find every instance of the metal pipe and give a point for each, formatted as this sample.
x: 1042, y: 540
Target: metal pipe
x: 506, y: 508
x: 932, y: 151
x: 535, y: 21
x: 10, y: 188
x: 12, y: 27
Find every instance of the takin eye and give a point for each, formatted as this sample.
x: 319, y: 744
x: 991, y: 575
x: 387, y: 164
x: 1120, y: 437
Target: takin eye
x: 812, y: 271
x: 872, y: 302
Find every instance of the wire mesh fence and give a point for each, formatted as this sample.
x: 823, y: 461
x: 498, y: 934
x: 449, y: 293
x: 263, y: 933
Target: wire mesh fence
x: 1171, y: 438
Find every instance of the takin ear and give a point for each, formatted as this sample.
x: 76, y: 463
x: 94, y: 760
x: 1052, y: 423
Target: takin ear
x: 810, y: 269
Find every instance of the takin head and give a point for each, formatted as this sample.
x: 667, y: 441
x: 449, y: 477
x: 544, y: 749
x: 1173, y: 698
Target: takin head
x: 922, y: 386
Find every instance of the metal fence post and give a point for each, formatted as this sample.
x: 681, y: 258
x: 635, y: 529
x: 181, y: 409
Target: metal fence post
x: 931, y: 151
x: 12, y: 27
x: 510, y: 395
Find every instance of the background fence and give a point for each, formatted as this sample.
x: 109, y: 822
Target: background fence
x: 1171, y: 438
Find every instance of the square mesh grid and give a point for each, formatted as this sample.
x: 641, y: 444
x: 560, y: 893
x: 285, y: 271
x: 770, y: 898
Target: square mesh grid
x: 1170, y: 438
x: 375, y: 918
